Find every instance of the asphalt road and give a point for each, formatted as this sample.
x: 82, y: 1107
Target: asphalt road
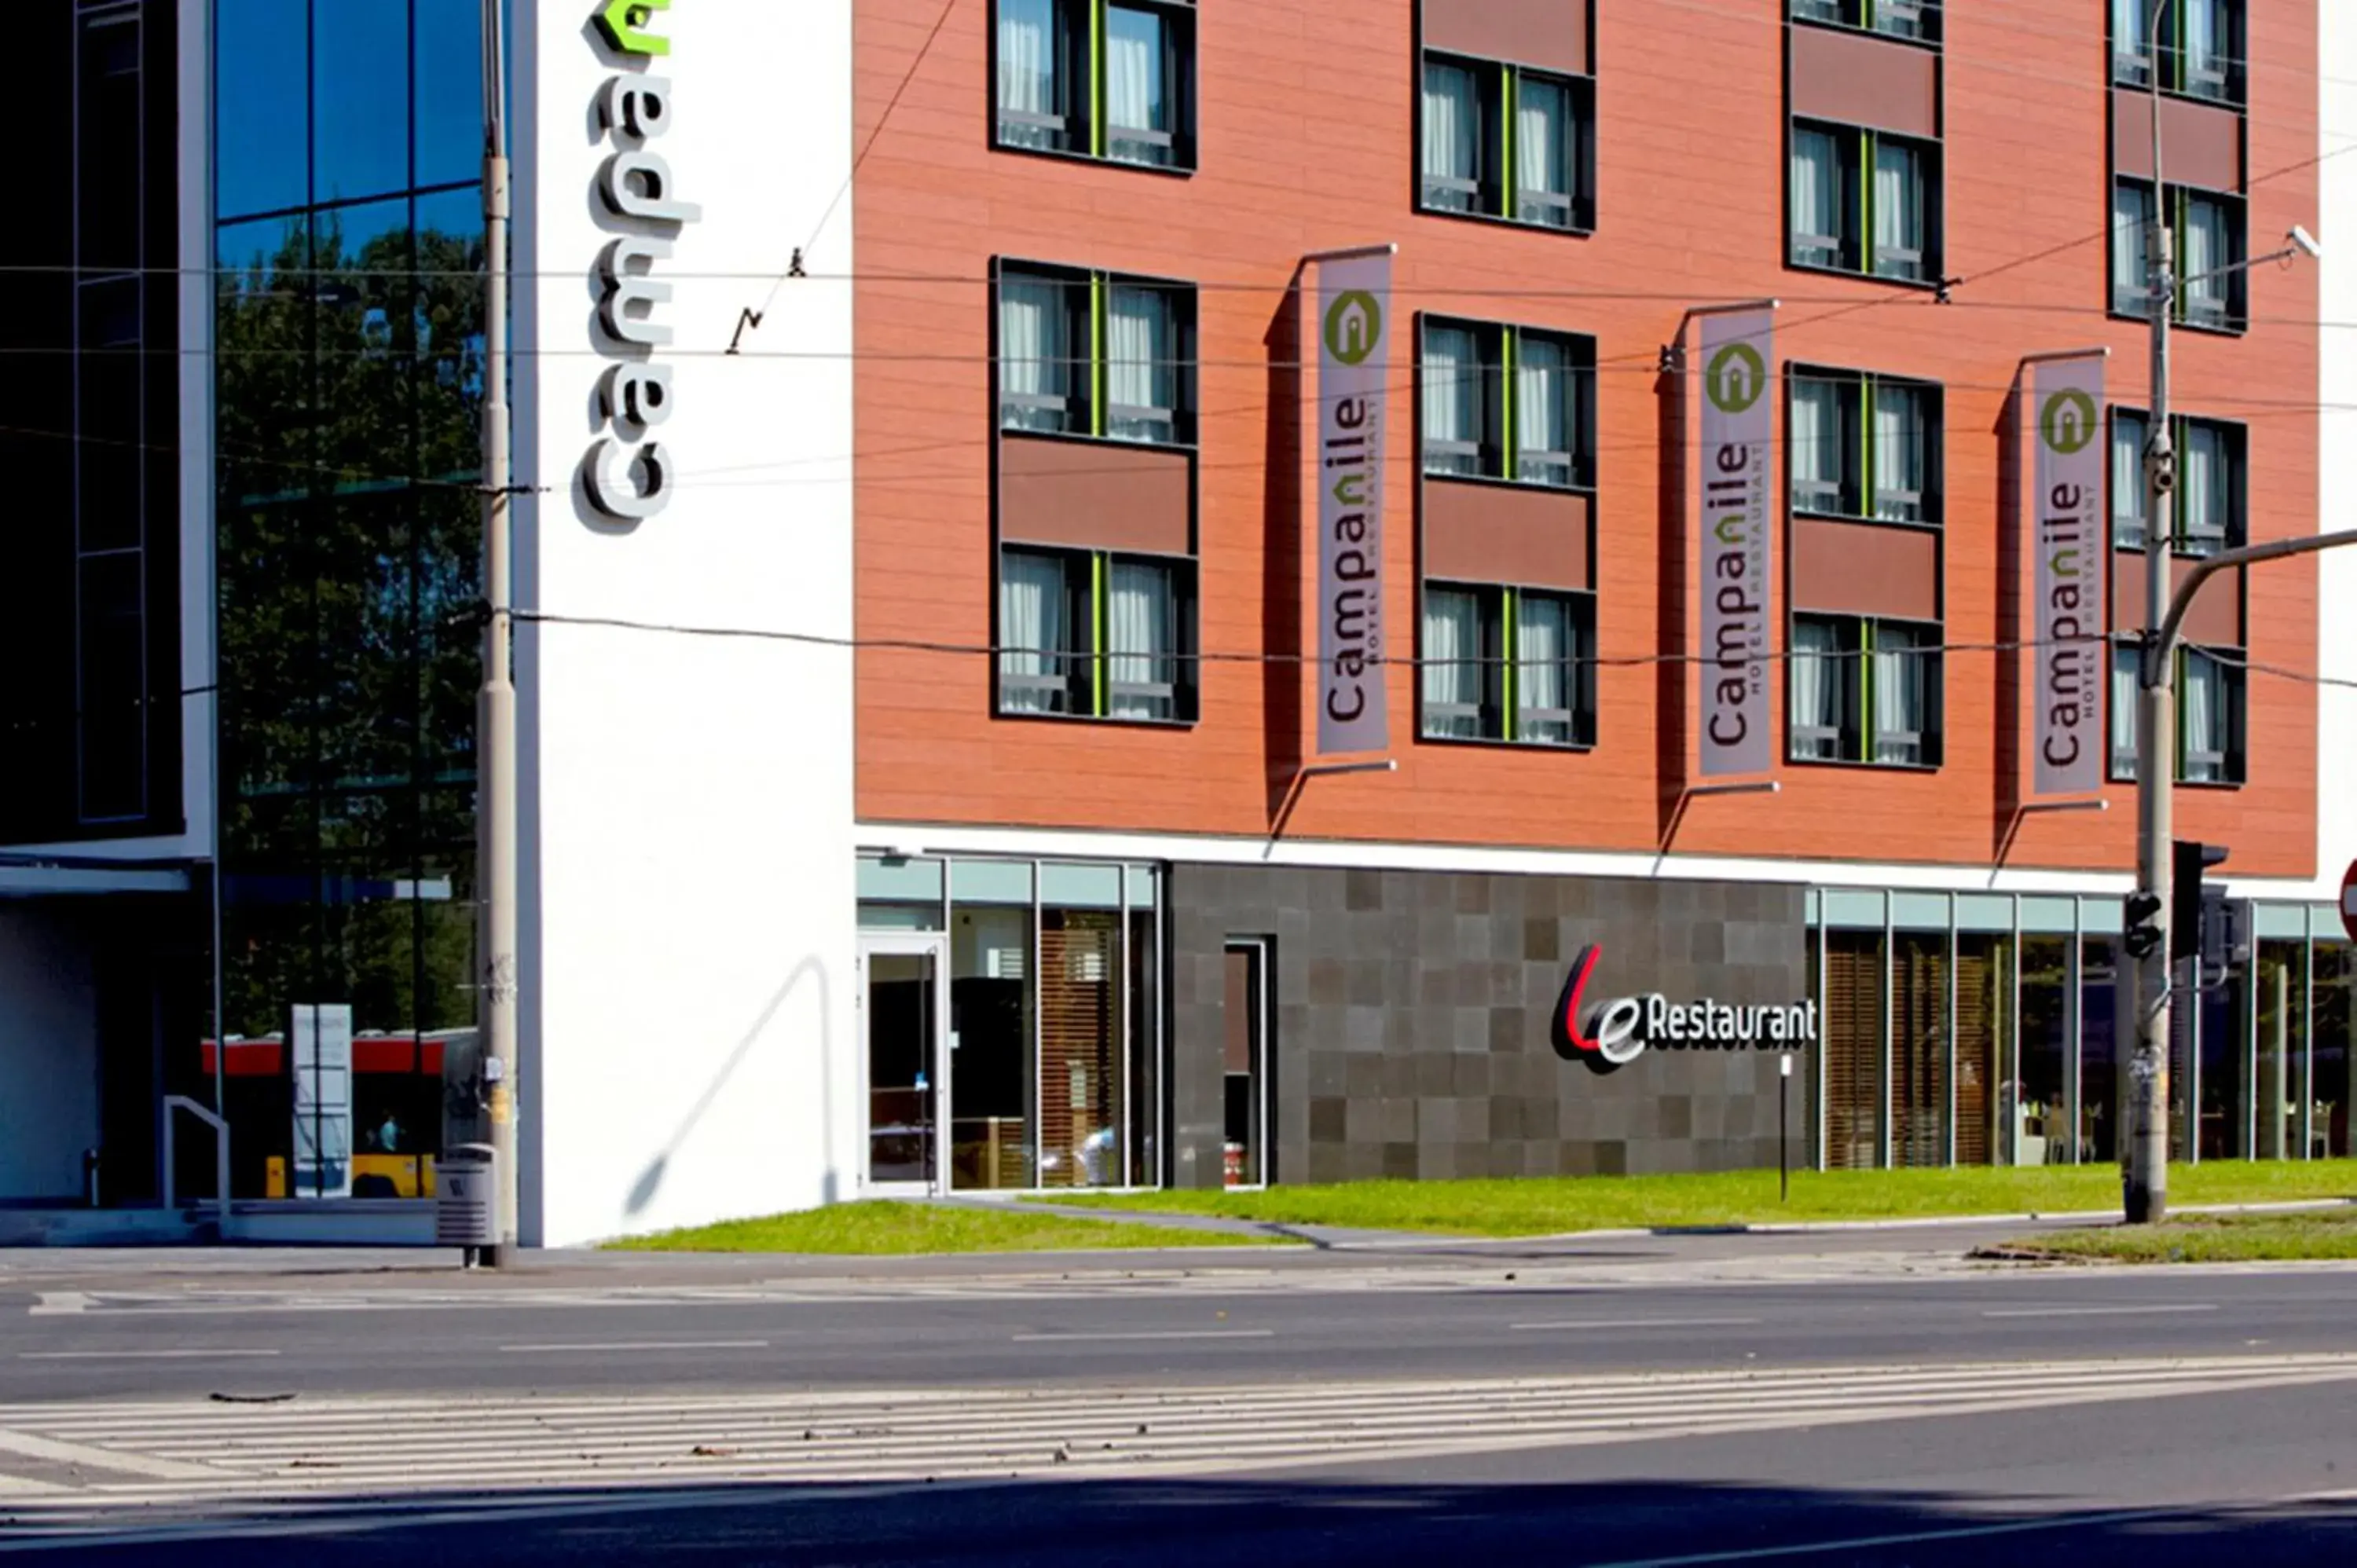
x: 1845, y: 1398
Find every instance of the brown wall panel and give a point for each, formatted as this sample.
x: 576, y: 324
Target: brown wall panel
x: 2200, y: 143
x: 1859, y: 79
x: 1552, y: 34
x: 1101, y: 495
x: 1865, y: 569
x: 1516, y: 534
x: 1307, y: 142
x: 2215, y: 620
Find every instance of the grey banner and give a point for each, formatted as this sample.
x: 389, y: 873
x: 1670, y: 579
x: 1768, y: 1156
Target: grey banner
x: 2065, y: 615
x: 1738, y: 428
x: 1353, y: 336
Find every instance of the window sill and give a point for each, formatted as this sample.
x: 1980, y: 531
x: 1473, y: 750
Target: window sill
x: 1930, y: 45
x: 2225, y: 786
x: 2180, y: 323
x: 1499, y: 481
x: 1854, y: 764
x: 1083, y: 438
x: 2144, y: 89
x: 1933, y: 526
x: 1499, y: 743
x: 1499, y: 221
x: 2137, y: 552
x: 1919, y: 286
x: 1092, y: 160
x: 1107, y: 721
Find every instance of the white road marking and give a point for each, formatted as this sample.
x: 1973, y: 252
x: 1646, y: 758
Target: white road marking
x: 1915, y: 1538
x: 1608, y: 1325
x: 51, y: 1450
x: 2096, y: 1311
x: 633, y: 1346
x: 1150, y: 1334
x: 60, y: 1304
x: 143, y: 1355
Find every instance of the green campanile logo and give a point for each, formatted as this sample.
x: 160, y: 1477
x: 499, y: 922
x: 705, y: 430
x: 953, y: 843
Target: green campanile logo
x: 625, y: 24
x: 2067, y: 423
x: 1737, y: 377
x: 1354, y: 325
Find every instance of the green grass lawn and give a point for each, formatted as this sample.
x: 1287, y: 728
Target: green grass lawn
x: 884, y: 1228
x: 2207, y: 1239
x: 1540, y: 1206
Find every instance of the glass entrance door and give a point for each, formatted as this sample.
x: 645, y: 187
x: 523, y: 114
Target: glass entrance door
x: 904, y: 1004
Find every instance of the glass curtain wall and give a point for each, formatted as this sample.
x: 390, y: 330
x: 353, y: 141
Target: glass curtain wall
x: 1853, y: 1047
x: 1920, y: 1041
x: 350, y: 356
x: 2333, y: 979
x: 2099, y: 1065
x: 1985, y: 978
x: 2282, y: 1109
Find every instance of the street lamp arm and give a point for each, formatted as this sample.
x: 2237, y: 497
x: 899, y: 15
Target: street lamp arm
x: 2249, y: 555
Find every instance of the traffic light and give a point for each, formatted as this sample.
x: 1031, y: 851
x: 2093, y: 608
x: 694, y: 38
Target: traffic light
x: 2186, y: 907
x: 2143, y: 934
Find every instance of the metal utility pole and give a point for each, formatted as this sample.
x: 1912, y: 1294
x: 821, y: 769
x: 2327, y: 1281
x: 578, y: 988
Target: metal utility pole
x: 2144, y: 1147
x: 495, y: 741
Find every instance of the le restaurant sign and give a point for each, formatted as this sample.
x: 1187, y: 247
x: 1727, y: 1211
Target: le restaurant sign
x: 1608, y: 1035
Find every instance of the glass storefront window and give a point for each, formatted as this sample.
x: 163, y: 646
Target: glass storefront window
x: 2225, y: 1082
x: 1852, y: 1024
x: 2099, y: 1071
x: 991, y: 1061
x: 1918, y: 1048
x: 2041, y: 1111
x: 2281, y: 1109
x: 2335, y: 1064
x: 1984, y: 1097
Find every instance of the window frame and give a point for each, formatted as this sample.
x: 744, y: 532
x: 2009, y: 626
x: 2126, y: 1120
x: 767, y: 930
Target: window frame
x: 1858, y: 480
x: 2234, y: 685
x: 1093, y: 393
x: 1081, y: 27
x: 2120, y: 767
x: 1496, y: 186
x: 1856, y: 739
x: 2236, y: 452
x: 1499, y: 716
x: 1497, y: 452
x: 2233, y: 82
x: 1865, y: 141
x: 1863, y: 16
x: 2234, y: 320
x: 1089, y: 688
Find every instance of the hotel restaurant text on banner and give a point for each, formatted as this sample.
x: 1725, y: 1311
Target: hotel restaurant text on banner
x: 1353, y: 333
x: 1737, y: 418
x: 2067, y: 618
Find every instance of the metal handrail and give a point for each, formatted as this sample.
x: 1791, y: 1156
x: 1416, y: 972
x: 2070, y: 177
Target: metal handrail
x: 221, y: 1156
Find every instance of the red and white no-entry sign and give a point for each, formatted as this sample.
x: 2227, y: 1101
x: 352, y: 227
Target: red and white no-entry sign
x: 2349, y: 901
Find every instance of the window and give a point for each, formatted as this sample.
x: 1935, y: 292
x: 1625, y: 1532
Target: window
x: 1087, y: 634
x: 2209, y: 230
x: 1511, y: 664
x: 2201, y: 47
x: 1092, y: 354
x: 1863, y: 691
x: 1502, y: 141
x: 1918, y: 20
x: 2208, y: 718
x: 1508, y: 403
x: 1865, y: 446
x: 1863, y: 201
x: 2127, y: 684
x: 1103, y: 79
x: 2209, y: 499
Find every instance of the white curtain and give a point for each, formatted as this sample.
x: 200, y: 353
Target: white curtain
x: 2203, y: 690
x: 1542, y: 642
x: 1141, y: 365
x: 2207, y: 249
x: 1816, y: 445
x: 2206, y: 486
x: 2127, y: 480
x: 1900, y: 231
x: 2131, y: 234
x: 1133, y: 96
x: 1900, y: 442
x: 1027, y: 70
x: 2125, y: 695
x: 2206, y: 64
x: 1452, y: 669
x: 1817, y: 198
x: 1452, y: 400
x: 1034, y: 359
x: 2131, y: 37
x: 1816, y: 689
x: 1452, y: 137
x: 1544, y: 412
x: 1138, y: 666
x: 1899, y: 689
x: 1031, y: 631
x: 1544, y: 151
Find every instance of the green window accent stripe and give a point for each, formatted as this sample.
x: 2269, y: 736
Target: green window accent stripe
x: 1097, y: 637
x: 1866, y: 690
x: 1866, y: 200
x: 1097, y: 305
x: 1509, y: 460
x: 1865, y: 447
x: 1509, y: 178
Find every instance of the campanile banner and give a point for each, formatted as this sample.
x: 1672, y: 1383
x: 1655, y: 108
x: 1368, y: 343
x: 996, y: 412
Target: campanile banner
x: 1353, y: 336
x: 2066, y: 615
x: 1738, y: 427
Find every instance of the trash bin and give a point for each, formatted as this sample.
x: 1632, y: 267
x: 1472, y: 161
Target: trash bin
x: 466, y: 1205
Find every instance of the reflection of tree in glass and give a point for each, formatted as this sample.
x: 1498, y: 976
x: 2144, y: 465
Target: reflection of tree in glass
x: 348, y: 433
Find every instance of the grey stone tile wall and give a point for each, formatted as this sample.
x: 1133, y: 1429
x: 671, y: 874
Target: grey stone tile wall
x: 1412, y: 1022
